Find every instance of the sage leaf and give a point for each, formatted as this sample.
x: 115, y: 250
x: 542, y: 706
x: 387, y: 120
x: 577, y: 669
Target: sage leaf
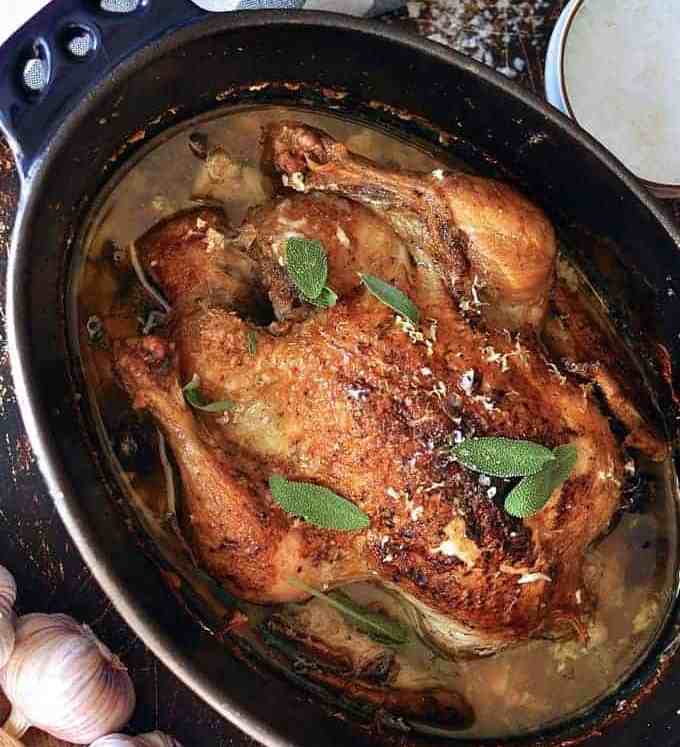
x: 502, y: 457
x: 534, y: 491
x: 193, y: 397
x: 377, y: 626
x: 317, y: 505
x: 325, y: 299
x: 530, y: 495
x: 563, y: 466
x: 307, y: 265
x: 392, y: 297
x: 251, y: 339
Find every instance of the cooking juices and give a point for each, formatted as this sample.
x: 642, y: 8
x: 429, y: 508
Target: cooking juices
x: 630, y: 572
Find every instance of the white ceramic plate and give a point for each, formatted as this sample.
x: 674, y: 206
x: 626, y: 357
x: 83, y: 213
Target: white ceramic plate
x: 614, y: 67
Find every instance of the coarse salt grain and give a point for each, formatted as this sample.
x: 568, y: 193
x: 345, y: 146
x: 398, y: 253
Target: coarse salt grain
x: 467, y: 381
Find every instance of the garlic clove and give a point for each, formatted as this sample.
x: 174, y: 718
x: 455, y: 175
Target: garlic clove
x: 157, y: 739
x: 64, y: 681
x: 152, y: 739
x: 8, y: 595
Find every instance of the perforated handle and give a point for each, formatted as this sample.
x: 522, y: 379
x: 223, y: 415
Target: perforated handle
x: 61, y: 53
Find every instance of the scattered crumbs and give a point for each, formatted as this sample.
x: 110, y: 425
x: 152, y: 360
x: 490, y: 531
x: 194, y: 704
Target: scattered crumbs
x: 438, y: 174
x: 536, y: 138
x: 486, y: 402
x: 466, y: 305
x: 295, y: 181
x: 357, y: 393
x: 215, y: 240
x: 477, y: 285
x: 426, y: 371
x: 493, y: 356
x: 438, y: 390
x: 556, y: 372
x: 447, y: 547
x: 530, y: 578
x: 341, y: 236
x: 434, y: 486
x: 467, y: 381
x: 433, y: 329
x: 458, y: 544
x: 414, y: 334
x: 608, y: 477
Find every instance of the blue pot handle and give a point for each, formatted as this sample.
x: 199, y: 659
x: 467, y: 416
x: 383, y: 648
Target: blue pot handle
x: 55, y: 44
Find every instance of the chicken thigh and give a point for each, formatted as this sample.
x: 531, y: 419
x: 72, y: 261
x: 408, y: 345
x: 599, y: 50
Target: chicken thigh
x: 355, y: 399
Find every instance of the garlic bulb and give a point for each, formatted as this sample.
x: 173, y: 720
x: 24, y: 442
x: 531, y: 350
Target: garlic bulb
x: 63, y: 680
x: 8, y: 595
x: 153, y: 739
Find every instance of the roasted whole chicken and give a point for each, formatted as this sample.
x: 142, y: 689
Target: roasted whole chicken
x: 358, y: 400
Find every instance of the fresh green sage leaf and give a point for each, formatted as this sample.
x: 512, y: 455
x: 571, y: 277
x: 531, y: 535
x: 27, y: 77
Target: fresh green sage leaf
x: 530, y: 495
x: 392, y: 297
x: 563, y: 466
x: 307, y: 265
x: 379, y: 627
x: 317, y: 505
x: 502, y: 457
x: 534, y: 491
x: 251, y: 338
x: 325, y: 299
x: 192, y: 395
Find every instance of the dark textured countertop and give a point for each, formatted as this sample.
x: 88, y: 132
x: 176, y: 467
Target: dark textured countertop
x: 509, y: 36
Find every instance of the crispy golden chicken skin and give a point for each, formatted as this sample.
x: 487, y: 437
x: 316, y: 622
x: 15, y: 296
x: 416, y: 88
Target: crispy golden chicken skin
x: 354, y: 399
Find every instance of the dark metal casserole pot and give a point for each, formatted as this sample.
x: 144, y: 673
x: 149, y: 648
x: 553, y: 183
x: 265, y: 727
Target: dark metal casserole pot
x: 168, y: 61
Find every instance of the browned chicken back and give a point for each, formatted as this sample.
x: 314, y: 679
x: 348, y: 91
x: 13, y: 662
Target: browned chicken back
x: 355, y: 399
